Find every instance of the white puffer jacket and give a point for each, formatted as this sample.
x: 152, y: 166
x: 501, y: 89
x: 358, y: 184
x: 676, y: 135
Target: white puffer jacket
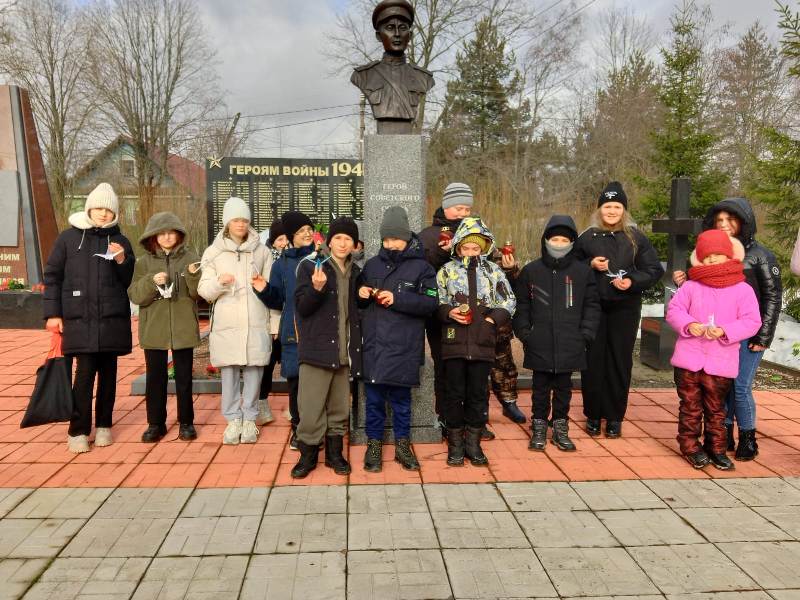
x: 240, y: 325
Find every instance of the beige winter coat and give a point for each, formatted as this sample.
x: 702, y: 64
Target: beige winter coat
x: 240, y: 323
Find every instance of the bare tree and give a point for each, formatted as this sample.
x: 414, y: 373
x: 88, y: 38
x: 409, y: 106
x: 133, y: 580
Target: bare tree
x: 218, y: 137
x: 47, y: 56
x: 623, y: 34
x: 150, y: 73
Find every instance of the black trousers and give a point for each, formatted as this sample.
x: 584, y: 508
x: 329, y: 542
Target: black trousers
x: 433, y: 330
x: 294, y: 412
x: 156, y: 386
x: 466, y: 398
x: 557, y: 386
x: 102, y: 365
x: 607, y: 380
x: 266, y: 379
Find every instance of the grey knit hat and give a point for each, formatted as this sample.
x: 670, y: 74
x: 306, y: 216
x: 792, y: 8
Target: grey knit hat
x: 395, y: 224
x: 455, y: 194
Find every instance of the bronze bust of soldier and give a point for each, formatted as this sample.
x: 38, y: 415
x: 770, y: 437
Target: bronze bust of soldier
x: 393, y: 86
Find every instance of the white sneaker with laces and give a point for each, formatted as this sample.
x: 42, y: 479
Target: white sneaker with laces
x: 102, y: 437
x: 264, y: 413
x: 249, y: 432
x: 233, y: 432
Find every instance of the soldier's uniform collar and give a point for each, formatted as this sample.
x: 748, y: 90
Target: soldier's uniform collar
x: 393, y: 60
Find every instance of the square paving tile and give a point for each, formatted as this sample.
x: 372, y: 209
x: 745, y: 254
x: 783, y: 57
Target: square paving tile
x: 295, y: 577
x: 732, y: 524
x: 479, y: 530
x: 785, y: 517
x: 763, y: 492
x: 205, y: 536
x: 497, y: 573
x: 192, y: 577
x: 11, y: 497
x: 118, y: 538
x: 61, y: 503
x: 17, y: 574
x: 541, y: 496
x: 617, y: 495
x: 722, y: 596
x: 690, y: 568
x: 36, y: 538
x: 393, y: 531
x: 305, y: 500
x: 152, y: 503
x: 226, y: 502
x: 594, y: 572
x: 651, y: 527
x: 773, y: 565
x: 784, y: 594
x: 109, y: 578
x: 693, y: 493
x: 397, y: 574
x: 386, y: 499
x: 463, y: 497
x: 302, y: 533
x: 577, y: 529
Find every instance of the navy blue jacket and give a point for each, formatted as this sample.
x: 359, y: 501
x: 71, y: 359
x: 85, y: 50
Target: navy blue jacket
x: 282, y: 282
x: 394, y: 337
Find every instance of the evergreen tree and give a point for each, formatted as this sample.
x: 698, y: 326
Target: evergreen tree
x: 684, y: 143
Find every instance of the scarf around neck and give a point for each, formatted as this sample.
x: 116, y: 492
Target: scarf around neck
x: 718, y: 276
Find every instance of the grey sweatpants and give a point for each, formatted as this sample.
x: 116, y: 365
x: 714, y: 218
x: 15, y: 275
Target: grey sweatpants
x: 235, y: 406
x: 324, y: 403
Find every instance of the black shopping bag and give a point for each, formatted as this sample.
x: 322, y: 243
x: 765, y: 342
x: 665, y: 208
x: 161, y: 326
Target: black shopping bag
x: 51, y: 401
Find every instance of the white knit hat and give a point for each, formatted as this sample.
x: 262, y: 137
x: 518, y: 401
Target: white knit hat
x: 102, y: 196
x: 235, y: 208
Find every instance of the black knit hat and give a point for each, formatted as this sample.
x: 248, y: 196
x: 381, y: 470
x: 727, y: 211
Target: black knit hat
x: 293, y: 220
x: 613, y: 192
x: 345, y: 225
x: 562, y: 230
x: 276, y: 230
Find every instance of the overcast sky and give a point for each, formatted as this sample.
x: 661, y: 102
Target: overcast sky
x: 271, y: 60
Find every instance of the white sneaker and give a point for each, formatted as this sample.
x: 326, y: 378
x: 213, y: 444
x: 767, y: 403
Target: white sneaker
x: 233, y: 432
x: 102, y: 437
x: 78, y: 444
x: 249, y: 432
x: 264, y: 413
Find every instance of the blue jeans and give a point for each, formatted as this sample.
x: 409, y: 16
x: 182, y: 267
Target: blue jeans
x: 399, y: 397
x: 740, y: 401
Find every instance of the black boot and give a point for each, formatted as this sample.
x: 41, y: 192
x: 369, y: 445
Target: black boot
x: 561, y: 435
x: 721, y: 461
x: 613, y: 429
x: 512, y: 411
x: 593, y: 426
x: 729, y: 436
x: 187, y: 432
x: 308, y: 460
x: 487, y: 434
x: 747, y: 448
x: 153, y: 433
x: 374, y: 456
x: 405, y: 455
x: 333, y: 455
x: 539, y: 437
x: 472, y: 447
x: 293, y: 442
x: 455, y: 447
x: 698, y: 459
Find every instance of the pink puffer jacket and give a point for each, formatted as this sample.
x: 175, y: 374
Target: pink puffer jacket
x: 734, y: 309
x: 795, y: 265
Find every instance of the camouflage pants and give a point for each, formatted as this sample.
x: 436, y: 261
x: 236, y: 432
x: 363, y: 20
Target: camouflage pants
x: 504, y: 372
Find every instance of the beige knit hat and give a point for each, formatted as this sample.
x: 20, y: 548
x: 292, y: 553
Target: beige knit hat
x: 102, y: 196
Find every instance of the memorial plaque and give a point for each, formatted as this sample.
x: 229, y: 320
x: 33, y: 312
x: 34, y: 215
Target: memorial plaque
x: 318, y: 187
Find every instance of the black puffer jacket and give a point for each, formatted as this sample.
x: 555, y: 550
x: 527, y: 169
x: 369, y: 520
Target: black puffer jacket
x: 317, y: 316
x: 429, y: 237
x: 394, y: 337
x: 88, y: 292
x: 641, y: 264
x: 558, y: 309
x: 760, y: 266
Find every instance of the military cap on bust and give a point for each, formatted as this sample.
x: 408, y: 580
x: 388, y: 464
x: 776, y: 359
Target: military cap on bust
x: 392, y: 8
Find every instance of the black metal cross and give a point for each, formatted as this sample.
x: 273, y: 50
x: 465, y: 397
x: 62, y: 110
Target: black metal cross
x: 680, y: 225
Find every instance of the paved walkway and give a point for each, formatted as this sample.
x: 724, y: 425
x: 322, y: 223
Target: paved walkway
x: 623, y: 518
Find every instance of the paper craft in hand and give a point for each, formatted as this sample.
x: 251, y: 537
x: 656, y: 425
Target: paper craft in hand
x: 322, y: 261
x: 109, y: 255
x: 618, y: 275
x: 711, y: 324
x: 166, y: 292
